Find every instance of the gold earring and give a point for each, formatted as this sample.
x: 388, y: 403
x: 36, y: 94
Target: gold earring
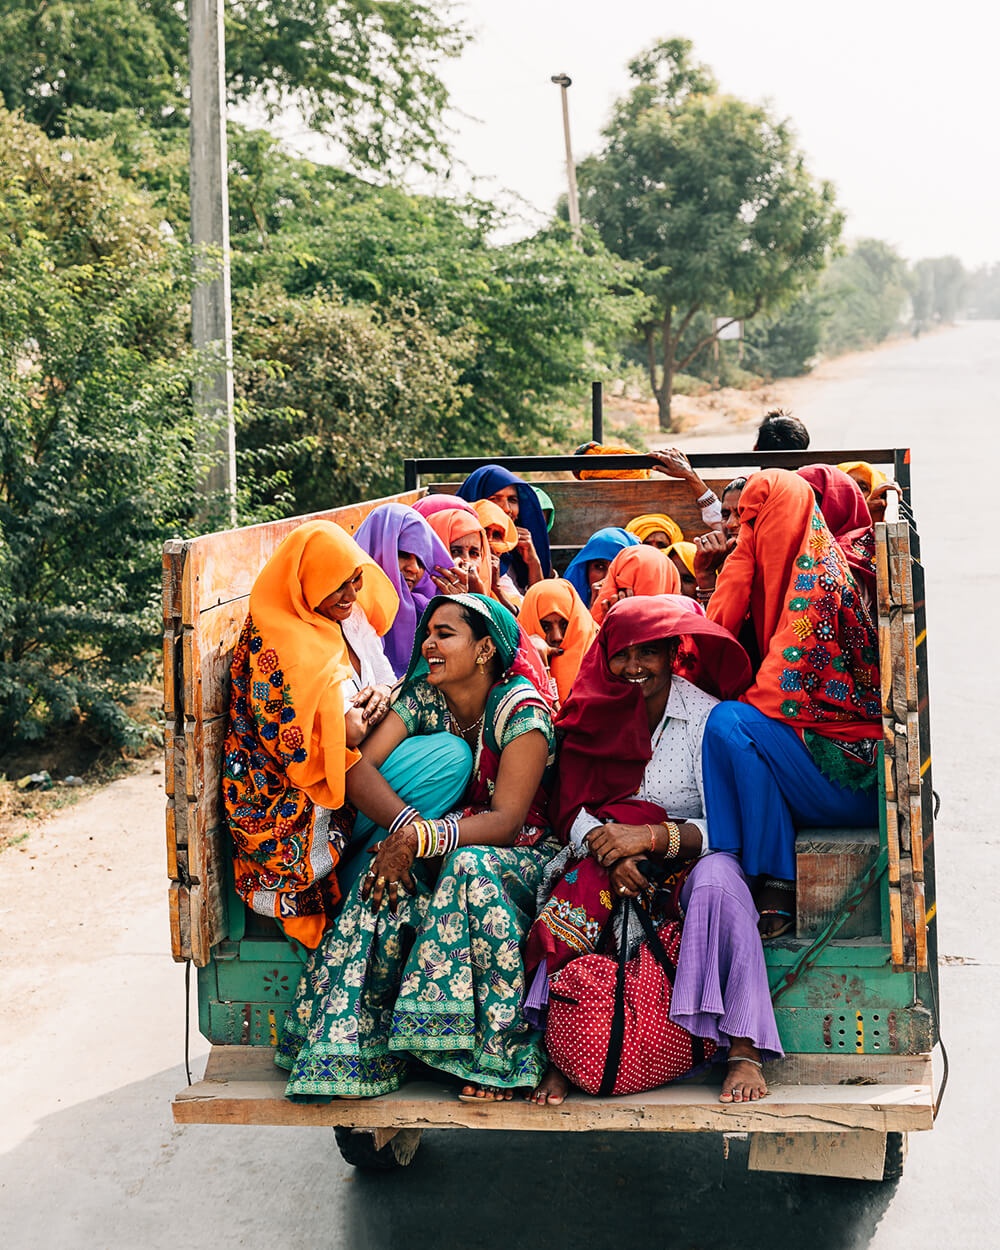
x: 480, y: 661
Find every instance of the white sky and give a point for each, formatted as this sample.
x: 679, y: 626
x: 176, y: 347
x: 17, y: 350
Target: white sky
x: 895, y: 103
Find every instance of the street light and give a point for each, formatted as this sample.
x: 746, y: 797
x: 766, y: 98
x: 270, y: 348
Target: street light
x: 563, y: 81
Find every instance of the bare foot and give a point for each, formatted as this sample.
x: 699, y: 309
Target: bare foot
x: 551, y: 1089
x: 777, y: 911
x: 744, y: 1076
x: 487, y: 1093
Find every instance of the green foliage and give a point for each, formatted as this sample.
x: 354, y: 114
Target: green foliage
x: 531, y: 320
x: 711, y: 196
x: 320, y: 378
x: 363, y: 71
x: 785, y: 344
x: 865, y: 293
x: 102, y: 54
x: 96, y: 466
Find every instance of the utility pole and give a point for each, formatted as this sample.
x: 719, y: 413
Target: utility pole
x: 211, y: 310
x: 563, y: 81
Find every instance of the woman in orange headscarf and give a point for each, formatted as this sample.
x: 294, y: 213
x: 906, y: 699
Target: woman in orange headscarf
x: 801, y: 747
x: 501, y: 531
x: 461, y: 531
x: 636, y: 571
x: 554, y: 611
x: 309, y: 679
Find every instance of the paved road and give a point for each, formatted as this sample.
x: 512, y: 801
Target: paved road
x: 92, y: 1028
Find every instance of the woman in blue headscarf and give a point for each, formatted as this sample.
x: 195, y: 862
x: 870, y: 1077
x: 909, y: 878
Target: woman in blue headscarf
x: 588, y: 568
x: 410, y: 554
x: 530, y: 560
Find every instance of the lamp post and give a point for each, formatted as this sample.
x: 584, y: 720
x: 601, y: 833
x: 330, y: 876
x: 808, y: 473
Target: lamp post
x: 211, y: 310
x: 563, y: 81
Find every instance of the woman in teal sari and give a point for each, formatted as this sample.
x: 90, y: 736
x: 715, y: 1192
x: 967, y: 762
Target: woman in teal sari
x: 424, y: 960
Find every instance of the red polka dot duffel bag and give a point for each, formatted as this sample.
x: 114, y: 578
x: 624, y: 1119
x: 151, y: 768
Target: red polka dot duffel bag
x: 609, y: 1028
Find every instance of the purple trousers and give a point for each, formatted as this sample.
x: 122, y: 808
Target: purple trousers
x: 721, y: 989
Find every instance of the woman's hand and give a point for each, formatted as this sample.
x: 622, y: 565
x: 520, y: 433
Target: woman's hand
x: 476, y: 586
x: 710, y: 552
x: 612, y: 842
x: 545, y: 652
x: 595, y: 593
x: 672, y: 462
x: 390, y: 868
x: 373, y: 702
x: 878, y: 500
x: 453, y: 581
x: 626, y: 879
x: 526, y: 550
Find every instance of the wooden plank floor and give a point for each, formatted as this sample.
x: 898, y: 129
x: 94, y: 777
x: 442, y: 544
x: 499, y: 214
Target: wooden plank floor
x: 242, y: 1086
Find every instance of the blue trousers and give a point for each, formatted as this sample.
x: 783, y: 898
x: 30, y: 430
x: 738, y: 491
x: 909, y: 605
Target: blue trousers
x: 430, y: 773
x: 761, y: 783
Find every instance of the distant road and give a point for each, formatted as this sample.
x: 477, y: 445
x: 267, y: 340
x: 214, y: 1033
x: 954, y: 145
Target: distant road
x: 91, y: 1042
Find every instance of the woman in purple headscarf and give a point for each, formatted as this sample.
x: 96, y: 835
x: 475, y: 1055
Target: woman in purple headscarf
x: 408, y: 551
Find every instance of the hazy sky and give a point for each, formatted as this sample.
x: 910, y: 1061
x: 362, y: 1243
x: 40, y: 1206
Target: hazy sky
x: 894, y: 103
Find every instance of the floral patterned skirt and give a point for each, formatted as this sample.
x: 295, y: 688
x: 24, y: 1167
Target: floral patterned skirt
x: 442, y: 981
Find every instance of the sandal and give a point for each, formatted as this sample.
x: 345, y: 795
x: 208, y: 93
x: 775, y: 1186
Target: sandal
x: 781, y: 929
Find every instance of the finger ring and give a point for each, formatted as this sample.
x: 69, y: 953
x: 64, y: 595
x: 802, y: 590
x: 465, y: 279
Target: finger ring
x: 380, y: 881
x: 621, y: 889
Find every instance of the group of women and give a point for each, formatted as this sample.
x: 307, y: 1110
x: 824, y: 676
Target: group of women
x: 444, y: 764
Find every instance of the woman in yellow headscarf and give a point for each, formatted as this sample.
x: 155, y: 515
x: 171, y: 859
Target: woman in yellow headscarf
x: 309, y: 679
x: 682, y: 555
x: 656, y: 529
x: 874, y: 484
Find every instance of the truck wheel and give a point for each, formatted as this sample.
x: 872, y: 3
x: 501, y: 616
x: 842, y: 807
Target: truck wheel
x: 357, y: 1146
x: 895, y: 1156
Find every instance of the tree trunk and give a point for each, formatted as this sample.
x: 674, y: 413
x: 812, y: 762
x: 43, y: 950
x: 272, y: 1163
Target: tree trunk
x: 665, y: 394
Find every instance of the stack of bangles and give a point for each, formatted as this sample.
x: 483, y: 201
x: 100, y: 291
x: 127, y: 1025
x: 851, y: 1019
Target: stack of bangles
x: 434, y: 837
x: 704, y: 593
x: 673, y: 847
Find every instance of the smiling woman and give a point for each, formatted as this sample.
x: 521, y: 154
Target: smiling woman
x: 474, y: 699
x: 631, y: 796
x: 309, y: 680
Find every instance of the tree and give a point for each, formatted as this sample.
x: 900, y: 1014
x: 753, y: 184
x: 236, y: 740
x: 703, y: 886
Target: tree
x: 864, y: 292
x: 362, y: 71
x: 97, y: 460
x: 711, y: 197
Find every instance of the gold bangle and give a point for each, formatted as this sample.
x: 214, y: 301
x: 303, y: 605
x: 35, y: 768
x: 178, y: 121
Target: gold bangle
x: 673, y: 838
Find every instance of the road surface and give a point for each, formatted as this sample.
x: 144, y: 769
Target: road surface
x: 91, y: 1040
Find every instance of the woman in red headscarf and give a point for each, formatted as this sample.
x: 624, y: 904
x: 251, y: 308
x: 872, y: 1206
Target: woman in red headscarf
x: 847, y: 518
x: 801, y: 747
x: 629, y: 790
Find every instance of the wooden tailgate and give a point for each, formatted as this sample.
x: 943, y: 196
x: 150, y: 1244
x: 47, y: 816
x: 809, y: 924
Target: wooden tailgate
x: 206, y: 588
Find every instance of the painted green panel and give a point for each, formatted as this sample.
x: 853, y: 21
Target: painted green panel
x: 869, y: 1031
x: 856, y: 953
x: 271, y: 982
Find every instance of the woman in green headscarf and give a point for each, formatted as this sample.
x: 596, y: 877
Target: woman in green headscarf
x: 424, y: 961
x: 547, y: 506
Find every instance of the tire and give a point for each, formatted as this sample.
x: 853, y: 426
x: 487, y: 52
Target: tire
x: 357, y: 1147
x: 895, y: 1156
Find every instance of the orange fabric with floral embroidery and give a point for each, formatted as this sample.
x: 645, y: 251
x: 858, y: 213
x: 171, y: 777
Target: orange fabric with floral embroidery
x: 819, y: 646
x: 286, y: 749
